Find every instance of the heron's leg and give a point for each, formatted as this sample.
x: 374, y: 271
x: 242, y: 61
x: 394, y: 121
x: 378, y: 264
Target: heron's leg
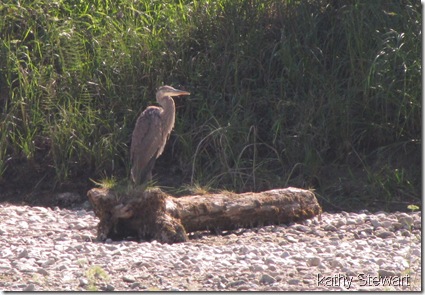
x: 149, y: 176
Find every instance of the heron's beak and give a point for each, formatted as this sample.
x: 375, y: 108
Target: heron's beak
x: 176, y: 92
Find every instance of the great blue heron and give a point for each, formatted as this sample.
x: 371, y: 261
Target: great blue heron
x: 152, y: 130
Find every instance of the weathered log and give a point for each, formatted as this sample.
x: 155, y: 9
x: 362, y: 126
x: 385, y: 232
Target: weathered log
x: 155, y: 215
x: 231, y: 211
x: 145, y: 215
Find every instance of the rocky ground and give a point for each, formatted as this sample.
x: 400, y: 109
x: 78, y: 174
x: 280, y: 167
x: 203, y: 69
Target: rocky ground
x: 45, y: 249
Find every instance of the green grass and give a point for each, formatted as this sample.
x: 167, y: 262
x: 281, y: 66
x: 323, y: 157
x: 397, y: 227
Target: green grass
x: 96, y: 275
x: 323, y: 94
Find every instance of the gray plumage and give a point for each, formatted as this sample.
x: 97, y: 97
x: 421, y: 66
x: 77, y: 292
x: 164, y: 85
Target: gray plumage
x: 151, y: 132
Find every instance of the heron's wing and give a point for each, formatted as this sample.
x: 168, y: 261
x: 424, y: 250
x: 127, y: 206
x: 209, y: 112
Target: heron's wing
x: 145, y: 143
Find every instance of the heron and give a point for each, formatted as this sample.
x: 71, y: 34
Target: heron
x: 153, y: 127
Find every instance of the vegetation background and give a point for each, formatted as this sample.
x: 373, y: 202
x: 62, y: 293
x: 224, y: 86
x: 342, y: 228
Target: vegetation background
x: 319, y: 94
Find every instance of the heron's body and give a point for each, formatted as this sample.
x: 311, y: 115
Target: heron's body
x: 150, y: 135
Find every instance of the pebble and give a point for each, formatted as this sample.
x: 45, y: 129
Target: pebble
x: 330, y: 227
x: 128, y: 279
x: 135, y: 285
x: 29, y: 288
x: 293, y: 282
x: 302, y: 228
x: 109, y: 288
x: 236, y: 283
x: 386, y: 273
x: 405, y: 220
x: 385, y: 234
x: 314, y: 261
x: 23, y: 253
x: 43, y: 271
x: 267, y: 279
x: 43, y: 249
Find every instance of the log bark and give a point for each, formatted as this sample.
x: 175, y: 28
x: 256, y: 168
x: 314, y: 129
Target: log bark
x: 155, y: 215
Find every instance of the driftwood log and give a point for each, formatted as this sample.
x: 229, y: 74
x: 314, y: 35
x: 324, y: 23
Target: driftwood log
x: 154, y: 215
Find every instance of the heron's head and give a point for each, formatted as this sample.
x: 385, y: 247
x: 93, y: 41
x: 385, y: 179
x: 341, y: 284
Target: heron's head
x: 169, y: 91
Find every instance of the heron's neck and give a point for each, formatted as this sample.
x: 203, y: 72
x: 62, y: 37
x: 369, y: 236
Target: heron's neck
x: 169, y: 110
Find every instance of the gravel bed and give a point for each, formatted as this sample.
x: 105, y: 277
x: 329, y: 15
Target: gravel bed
x: 43, y: 249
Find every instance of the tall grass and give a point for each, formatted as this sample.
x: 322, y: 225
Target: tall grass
x: 307, y: 93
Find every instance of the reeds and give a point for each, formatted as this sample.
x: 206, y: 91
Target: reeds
x: 283, y: 92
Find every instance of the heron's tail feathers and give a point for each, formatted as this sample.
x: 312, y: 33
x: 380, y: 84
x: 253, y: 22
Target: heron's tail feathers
x: 142, y: 175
